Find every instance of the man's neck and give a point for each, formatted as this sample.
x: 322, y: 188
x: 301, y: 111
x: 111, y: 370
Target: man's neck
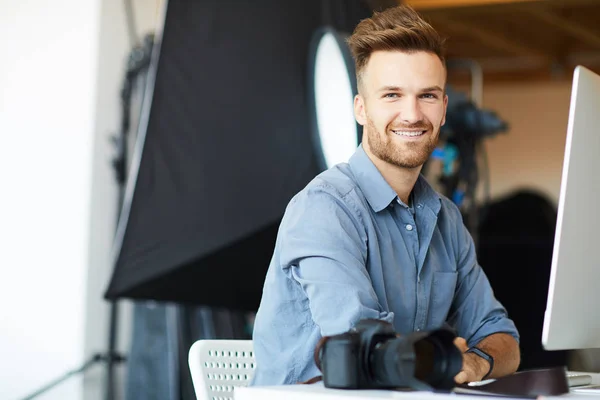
x: 402, y: 180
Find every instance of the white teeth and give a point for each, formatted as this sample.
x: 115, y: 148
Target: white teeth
x: 408, y: 133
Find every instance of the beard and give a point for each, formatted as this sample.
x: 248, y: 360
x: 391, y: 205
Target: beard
x: 405, y: 155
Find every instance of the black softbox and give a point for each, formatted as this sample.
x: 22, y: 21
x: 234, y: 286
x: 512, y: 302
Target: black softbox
x: 224, y: 144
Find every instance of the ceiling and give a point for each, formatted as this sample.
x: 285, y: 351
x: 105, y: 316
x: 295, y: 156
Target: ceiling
x: 517, y: 40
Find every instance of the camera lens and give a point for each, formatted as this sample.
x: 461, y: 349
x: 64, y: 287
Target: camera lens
x: 431, y: 359
x: 424, y: 359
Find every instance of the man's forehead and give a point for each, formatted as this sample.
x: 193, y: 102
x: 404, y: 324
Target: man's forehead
x: 404, y: 55
x: 404, y: 69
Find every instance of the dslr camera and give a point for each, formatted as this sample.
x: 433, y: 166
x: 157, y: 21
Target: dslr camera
x: 373, y: 356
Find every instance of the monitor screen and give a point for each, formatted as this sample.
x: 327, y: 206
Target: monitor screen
x: 572, y: 319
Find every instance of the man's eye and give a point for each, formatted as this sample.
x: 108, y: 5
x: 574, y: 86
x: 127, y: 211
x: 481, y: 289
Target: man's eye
x: 391, y: 95
x: 429, y: 96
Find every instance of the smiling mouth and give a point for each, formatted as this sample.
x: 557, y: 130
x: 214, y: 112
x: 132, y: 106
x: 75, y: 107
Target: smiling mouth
x: 412, y: 133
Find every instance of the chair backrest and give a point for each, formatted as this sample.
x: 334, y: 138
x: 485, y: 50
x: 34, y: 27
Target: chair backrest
x: 218, y: 366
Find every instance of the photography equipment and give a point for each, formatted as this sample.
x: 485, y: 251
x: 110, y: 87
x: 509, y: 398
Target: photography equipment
x: 331, y: 88
x: 372, y: 356
x: 222, y: 145
x: 466, y: 126
x: 461, y: 142
x: 137, y: 65
x: 213, y: 170
x: 465, y: 118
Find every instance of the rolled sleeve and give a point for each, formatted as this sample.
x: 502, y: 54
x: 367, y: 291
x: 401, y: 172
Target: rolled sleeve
x: 476, y: 313
x: 324, y: 250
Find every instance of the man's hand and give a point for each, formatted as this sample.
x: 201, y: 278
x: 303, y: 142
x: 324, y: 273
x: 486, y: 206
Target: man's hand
x: 474, y: 367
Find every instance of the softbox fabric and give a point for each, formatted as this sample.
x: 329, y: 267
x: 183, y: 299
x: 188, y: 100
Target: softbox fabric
x: 227, y: 145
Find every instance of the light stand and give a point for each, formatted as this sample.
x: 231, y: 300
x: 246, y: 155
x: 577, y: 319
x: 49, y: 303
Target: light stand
x: 138, y: 62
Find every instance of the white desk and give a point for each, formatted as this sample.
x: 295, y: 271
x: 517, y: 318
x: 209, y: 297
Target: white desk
x: 319, y: 392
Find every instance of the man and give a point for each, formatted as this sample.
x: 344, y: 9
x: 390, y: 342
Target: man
x: 371, y: 238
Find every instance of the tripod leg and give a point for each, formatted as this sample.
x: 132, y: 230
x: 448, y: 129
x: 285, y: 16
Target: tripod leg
x: 112, y: 350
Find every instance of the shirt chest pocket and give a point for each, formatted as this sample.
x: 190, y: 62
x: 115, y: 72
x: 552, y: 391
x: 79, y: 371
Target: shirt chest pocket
x: 442, y: 295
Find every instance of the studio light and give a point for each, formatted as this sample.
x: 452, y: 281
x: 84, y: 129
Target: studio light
x: 332, y: 87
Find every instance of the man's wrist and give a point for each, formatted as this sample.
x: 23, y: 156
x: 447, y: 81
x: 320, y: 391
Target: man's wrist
x: 478, y: 365
x: 483, y: 360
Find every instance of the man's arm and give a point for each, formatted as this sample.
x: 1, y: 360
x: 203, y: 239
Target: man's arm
x: 323, y: 249
x: 480, y: 318
x: 502, y: 347
x: 317, y: 285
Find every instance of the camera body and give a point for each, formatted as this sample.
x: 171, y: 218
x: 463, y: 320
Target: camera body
x: 373, y: 356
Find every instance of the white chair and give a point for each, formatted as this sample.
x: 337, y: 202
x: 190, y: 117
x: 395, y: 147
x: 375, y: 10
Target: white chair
x: 218, y: 366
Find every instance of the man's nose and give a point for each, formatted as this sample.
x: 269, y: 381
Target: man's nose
x: 410, y: 112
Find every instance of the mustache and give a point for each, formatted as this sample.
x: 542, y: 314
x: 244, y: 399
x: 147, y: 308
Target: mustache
x: 417, y: 125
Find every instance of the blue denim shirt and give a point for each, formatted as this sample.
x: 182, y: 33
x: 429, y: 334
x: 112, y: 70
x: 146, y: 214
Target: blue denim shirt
x: 349, y: 249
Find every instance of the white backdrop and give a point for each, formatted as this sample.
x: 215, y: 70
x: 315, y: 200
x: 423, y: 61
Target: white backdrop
x: 61, y: 70
x: 48, y: 64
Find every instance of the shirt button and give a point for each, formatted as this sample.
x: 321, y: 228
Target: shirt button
x: 409, y: 227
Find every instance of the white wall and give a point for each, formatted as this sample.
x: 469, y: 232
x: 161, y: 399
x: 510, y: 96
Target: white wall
x: 48, y: 63
x: 531, y: 153
x: 61, y: 70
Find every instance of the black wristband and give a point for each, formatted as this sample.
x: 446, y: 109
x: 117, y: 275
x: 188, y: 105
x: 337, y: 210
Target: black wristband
x: 486, y: 357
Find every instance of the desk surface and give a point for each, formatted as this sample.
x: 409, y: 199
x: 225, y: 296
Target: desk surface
x: 319, y: 392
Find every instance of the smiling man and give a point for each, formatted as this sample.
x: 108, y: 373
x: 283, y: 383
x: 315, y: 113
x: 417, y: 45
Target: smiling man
x: 370, y: 238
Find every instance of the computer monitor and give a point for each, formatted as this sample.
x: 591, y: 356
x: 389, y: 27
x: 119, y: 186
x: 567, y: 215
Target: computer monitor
x: 572, y: 318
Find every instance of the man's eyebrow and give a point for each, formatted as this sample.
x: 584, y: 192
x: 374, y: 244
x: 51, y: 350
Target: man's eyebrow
x: 432, y: 89
x: 399, y: 89
x: 390, y: 89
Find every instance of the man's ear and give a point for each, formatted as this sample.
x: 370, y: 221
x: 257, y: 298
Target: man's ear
x: 445, y: 108
x: 359, y: 110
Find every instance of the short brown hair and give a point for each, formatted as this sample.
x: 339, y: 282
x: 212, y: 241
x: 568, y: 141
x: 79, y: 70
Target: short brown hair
x: 397, y: 28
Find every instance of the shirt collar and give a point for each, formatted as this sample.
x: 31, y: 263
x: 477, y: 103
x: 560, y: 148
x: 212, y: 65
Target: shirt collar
x: 379, y: 193
x: 426, y: 195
